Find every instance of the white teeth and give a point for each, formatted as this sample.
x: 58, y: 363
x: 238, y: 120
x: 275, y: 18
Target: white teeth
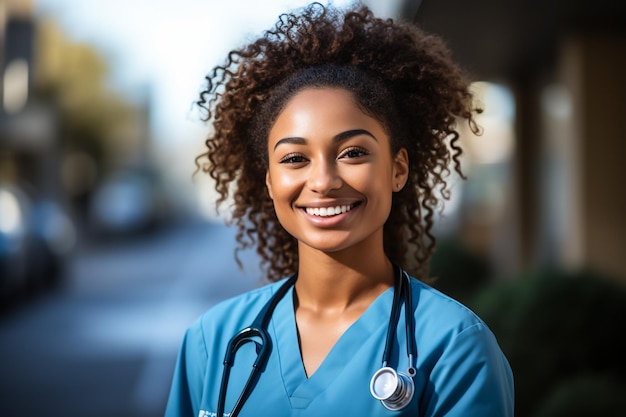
x: 328, y: 211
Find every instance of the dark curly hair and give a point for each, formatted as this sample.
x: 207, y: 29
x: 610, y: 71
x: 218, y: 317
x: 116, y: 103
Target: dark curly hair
x: 399, y: 75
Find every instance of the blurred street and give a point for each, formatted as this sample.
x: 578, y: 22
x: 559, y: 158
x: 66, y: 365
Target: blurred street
x: 105, y: 342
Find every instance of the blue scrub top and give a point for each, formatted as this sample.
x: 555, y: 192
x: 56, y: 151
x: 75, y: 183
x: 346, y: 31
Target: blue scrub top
x: 461, y: 370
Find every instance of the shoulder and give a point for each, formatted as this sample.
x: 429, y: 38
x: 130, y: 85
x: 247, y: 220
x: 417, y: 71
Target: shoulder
x: 460, y: 357
x: 442, y: 310
x: 241, y: 304
x: 203, y: 344
x: 448, y: 332
x: 231, y: 315
x: 442, y: 324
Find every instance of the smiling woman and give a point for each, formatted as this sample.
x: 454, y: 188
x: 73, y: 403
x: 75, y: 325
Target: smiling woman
x: 326, y: 153
x: 332, y: 132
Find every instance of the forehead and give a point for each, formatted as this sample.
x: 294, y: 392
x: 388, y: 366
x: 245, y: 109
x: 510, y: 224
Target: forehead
x: 317, y: 110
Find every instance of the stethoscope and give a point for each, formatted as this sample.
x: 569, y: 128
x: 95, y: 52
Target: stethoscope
x: 394, y: 389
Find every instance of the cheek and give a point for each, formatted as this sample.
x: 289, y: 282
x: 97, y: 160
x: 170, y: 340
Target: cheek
x: 283, y: 186
x: 370, y: 180
x: 375, y: 186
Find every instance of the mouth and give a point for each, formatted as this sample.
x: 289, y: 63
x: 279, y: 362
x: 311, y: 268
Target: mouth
x: 330, y: 211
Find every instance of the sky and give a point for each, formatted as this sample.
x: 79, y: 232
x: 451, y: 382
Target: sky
x: 164, y: 48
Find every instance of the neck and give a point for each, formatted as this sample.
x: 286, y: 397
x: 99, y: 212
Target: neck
x: 339, y: 281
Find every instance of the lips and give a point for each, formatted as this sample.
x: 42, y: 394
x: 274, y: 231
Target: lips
x: 329, y: 211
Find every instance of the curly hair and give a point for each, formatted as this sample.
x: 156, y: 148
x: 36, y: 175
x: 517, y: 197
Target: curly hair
x: 398, y: 74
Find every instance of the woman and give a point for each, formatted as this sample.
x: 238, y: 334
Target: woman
x: 333, y: 132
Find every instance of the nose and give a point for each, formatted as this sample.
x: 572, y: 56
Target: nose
x: 323, y: 177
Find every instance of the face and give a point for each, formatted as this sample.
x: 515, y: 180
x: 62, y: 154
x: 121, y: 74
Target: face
x: 331, y: 173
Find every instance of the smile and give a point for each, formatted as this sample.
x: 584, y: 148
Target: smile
x: 329, y: 211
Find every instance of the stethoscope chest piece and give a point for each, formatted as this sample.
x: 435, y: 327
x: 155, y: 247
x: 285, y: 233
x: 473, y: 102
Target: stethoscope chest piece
x: 393, y: 389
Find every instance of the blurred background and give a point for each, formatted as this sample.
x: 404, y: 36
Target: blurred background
x: 109, y: 249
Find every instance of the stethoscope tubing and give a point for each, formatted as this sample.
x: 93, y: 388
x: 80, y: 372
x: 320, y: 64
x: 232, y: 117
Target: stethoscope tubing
x: 256, y: 330
x: 402, y: 293
x: 409, y: 324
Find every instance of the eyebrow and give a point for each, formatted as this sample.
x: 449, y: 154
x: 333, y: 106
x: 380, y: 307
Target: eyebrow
x: 343, y: 136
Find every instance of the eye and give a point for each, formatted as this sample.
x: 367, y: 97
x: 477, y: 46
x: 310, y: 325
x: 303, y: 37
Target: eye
x: 292, y: 158
x: 353, y: 152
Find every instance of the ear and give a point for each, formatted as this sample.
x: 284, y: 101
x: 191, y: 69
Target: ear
x: 400, y: 169
x: 268, y: 184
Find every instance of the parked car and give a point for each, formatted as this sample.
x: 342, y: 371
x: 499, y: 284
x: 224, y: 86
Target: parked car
x: 37, y: 237
x: 128, y: 202
x: 14, y: 209
x: 52, y: 239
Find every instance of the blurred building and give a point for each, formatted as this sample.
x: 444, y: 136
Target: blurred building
x: 63, y: 131
x: 564, y: 66
x: 36, y: 235
x: 28, y: 141
x: 63, y: 135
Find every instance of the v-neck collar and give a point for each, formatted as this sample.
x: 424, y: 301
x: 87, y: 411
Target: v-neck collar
x: 300, y: 389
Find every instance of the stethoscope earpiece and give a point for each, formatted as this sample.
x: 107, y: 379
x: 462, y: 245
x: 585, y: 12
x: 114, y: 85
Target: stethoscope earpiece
x: 393, y: 389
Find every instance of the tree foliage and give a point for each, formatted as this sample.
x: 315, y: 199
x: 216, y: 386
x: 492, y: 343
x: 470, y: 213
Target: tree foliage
x: 73, y: 77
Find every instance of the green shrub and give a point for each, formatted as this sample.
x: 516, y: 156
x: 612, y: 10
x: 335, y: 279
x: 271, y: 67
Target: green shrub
x: 586, y: 396
x: 554, y: 326
x: 458, y: 272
